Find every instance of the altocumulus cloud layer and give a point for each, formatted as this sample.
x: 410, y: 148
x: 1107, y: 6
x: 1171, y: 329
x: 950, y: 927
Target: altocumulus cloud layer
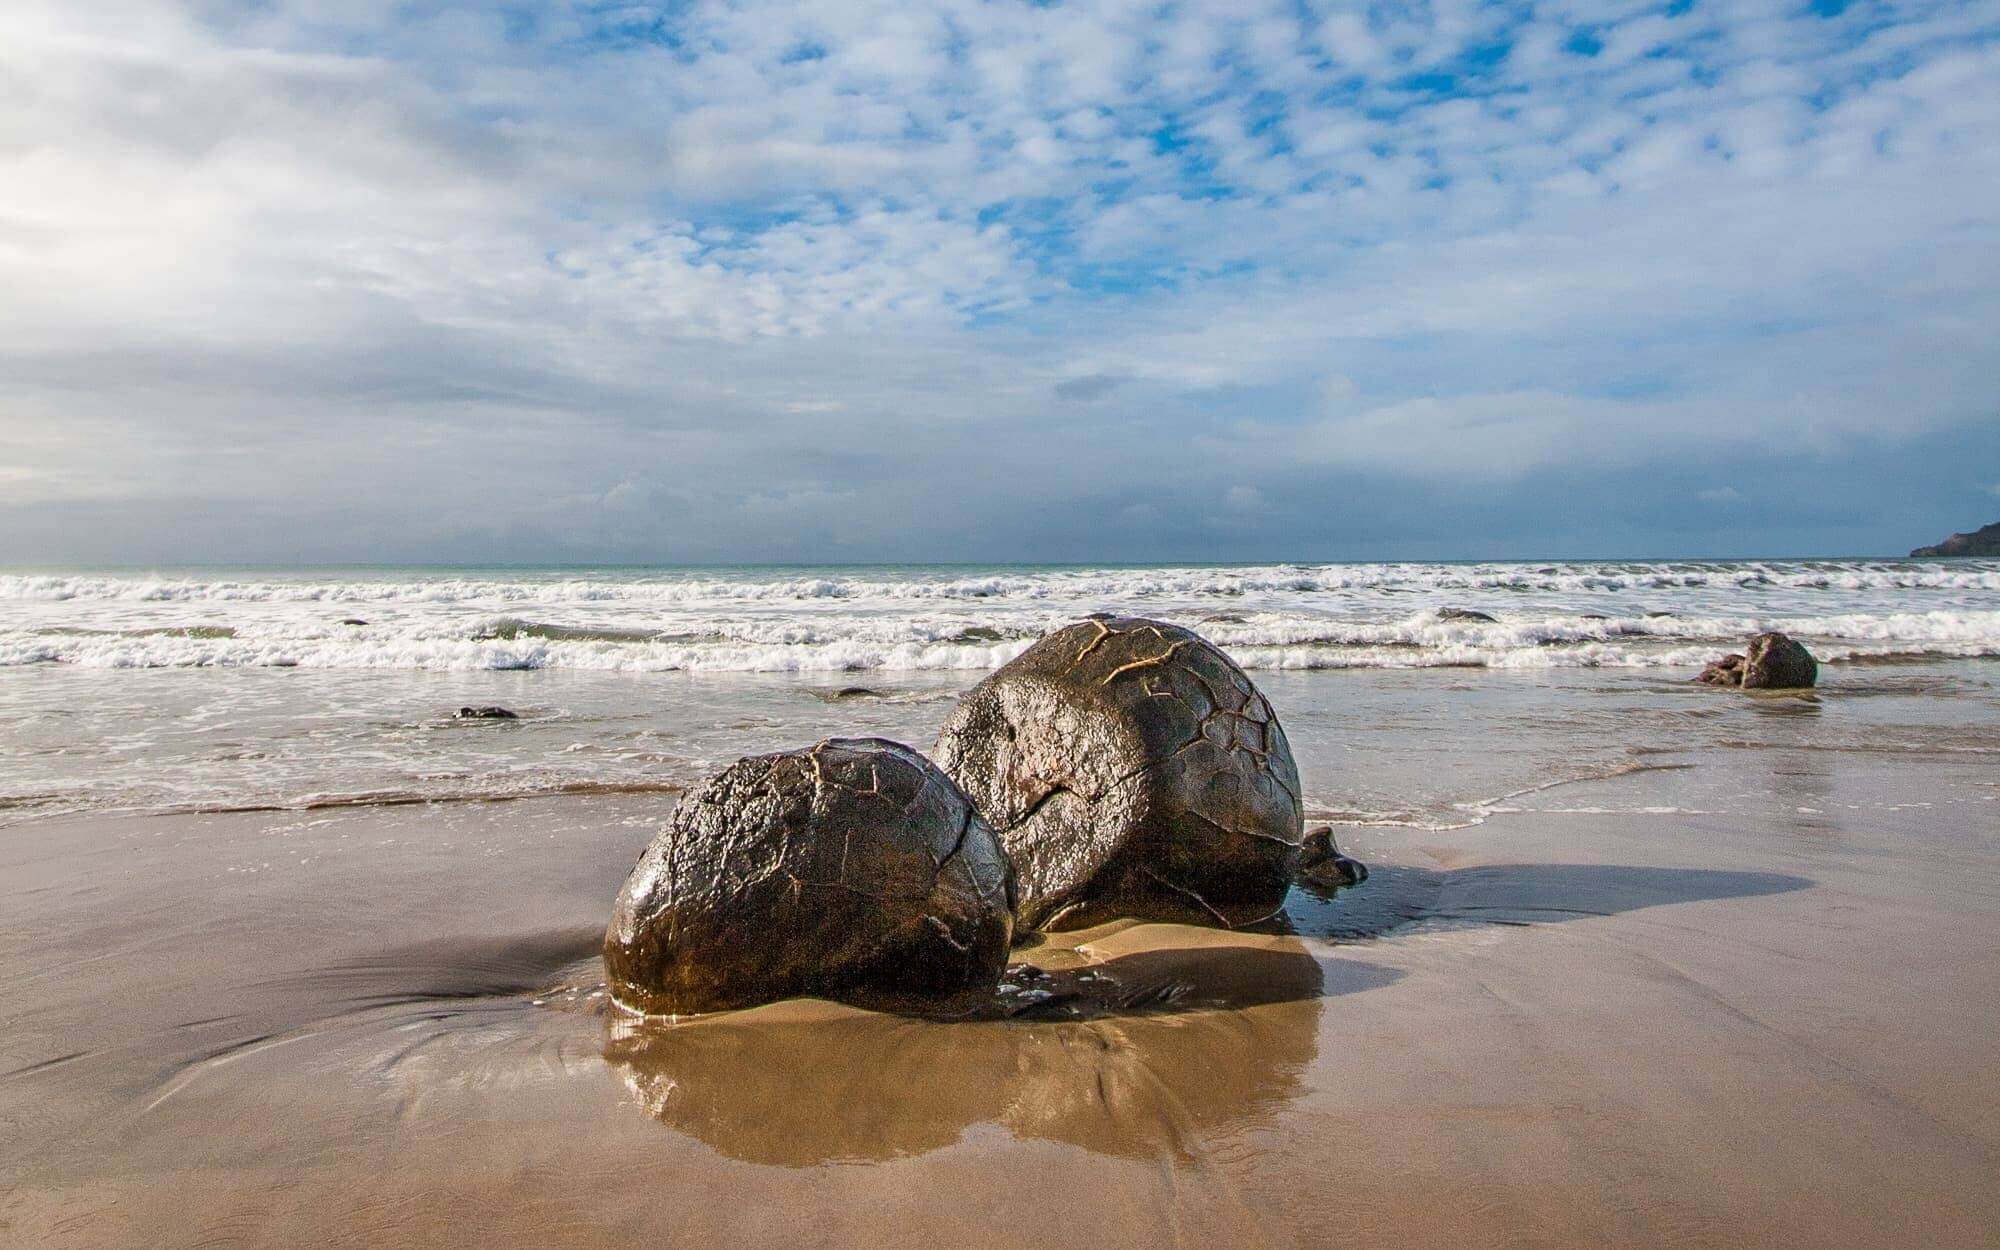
x: 355, y: 279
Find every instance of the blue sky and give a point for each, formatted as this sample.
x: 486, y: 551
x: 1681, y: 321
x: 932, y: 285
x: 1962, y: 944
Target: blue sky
x: 354, y: 280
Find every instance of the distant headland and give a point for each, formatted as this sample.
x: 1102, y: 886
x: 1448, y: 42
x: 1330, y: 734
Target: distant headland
x: 1980, y: 542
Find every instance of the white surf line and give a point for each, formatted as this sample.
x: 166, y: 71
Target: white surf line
x: 1480, y: 810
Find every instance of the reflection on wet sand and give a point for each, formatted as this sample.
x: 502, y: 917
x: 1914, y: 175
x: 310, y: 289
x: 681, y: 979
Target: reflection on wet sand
x: 1148, y: 1037
x: 1164, y: 1043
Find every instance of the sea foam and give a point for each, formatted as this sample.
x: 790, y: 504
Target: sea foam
x: 1584, y: 614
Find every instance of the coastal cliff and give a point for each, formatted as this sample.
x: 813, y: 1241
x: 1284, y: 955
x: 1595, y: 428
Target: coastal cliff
x: 1980, y: 542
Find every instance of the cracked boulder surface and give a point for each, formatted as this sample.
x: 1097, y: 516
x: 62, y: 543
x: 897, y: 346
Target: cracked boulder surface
x: 1130, y: 769
x: 1772, y: 661
x: 852, y: 870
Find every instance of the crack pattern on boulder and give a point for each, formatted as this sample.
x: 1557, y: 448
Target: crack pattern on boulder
x: 854, y: 869
x: 1131, y: 769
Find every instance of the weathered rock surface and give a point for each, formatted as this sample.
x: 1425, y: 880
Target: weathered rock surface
x: 1727, y: 671
x: 1772, y: 661
x: 1322, y: 864
x: 1466, y: 614
x: 1984, y: 541
x: 487, y: 713
x: 1130, y: 769
x: 854, y: 868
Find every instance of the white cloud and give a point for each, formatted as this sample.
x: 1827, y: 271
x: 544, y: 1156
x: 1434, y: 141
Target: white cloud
x: 1242, y: 498
x: 794, y: 248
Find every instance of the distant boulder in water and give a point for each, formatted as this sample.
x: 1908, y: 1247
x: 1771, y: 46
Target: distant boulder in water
x: 1984, y: 541
x: 852, y: 868
x: 1130, y: 769
x: 486, y: 713
x: 1466, y: 614
x: 1772, y: 661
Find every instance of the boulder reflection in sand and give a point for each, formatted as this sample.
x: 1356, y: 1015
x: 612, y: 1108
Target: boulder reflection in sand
x: 1171, y: 1034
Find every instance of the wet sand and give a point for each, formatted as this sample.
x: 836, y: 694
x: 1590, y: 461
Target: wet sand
x: 1745, y: 1002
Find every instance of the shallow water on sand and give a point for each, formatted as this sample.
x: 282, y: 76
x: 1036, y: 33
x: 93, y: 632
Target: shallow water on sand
x: 1638, y: 964
x: 206, y: 688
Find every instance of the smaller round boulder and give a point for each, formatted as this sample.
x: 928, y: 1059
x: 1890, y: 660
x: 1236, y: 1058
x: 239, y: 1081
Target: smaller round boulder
x: 854, y: 868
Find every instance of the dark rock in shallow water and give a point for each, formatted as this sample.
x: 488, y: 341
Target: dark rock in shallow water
x: 1776, y: 662
x: 487, y: 713
x: 1984, y: 541
x: 978, y: 633
x: 1322, y: 864
x: 1465, y: 614
x: 854, y: 868
x: 353, y: 620
x: 857, y: 692
x: 1727, y: 671
x: 1131, y: 769
x: 1772, y: 661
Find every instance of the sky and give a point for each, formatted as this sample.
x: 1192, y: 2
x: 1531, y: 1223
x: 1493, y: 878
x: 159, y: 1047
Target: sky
x: 351, y: 280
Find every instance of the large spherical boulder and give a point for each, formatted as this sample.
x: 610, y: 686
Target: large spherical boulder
x: 1131, y: 769
x: 1772, y: 661
x: 853, y: 869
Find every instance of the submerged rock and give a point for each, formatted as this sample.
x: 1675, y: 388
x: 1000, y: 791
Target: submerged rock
x: 1322, y: 864
x: 487, y: 713
x: 1131, y: 769
x: 1772, y: 661
x: 1466, y: 614
x: 852, y: 868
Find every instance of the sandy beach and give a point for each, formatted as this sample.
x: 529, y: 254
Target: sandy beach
x: 1736, y: 996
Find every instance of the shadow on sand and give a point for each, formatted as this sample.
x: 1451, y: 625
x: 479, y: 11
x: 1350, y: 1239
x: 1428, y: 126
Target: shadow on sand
x: 1512, y: 894
x: 1158, y: 1036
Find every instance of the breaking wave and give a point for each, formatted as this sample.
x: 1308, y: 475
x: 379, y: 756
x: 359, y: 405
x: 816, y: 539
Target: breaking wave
x: 1032, y: 585
x: 1265, y: 641
x: 1494, y: 615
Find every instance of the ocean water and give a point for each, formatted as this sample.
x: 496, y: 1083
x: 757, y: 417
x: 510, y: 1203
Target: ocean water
x: 243, y: 687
